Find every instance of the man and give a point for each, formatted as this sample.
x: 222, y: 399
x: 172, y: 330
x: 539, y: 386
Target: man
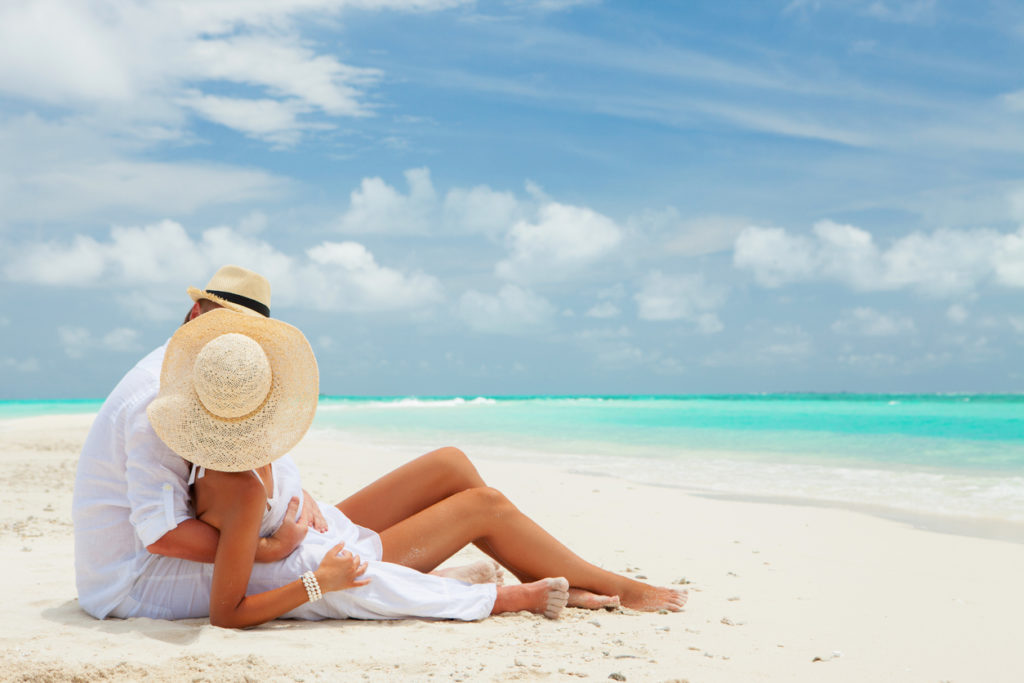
x: 130, y: 510
x: 136, y: 541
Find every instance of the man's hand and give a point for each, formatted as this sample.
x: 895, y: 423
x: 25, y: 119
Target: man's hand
x: 286, y: 539
x: 311, y: 515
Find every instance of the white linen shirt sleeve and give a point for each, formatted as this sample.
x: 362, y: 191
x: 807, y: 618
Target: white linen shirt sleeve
x: 157, y: 481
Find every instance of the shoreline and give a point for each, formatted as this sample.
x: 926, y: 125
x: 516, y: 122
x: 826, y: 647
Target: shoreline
x: 990, y: 528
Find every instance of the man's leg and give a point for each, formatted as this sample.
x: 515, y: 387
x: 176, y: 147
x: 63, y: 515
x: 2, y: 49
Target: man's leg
x: 411, y: 488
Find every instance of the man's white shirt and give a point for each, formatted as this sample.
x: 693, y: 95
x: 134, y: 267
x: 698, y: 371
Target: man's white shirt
x: 130, y: 489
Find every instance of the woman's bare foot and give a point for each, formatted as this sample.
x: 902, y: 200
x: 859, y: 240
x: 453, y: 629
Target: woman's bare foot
x: 481, y: 571
x: 654, y: 598
x: 587, y: 600
x: 547, y: 597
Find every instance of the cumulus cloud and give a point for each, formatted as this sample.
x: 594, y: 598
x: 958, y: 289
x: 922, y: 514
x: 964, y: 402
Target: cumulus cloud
x: 607, y: 306
x: 347, y: 277
x: 513, y: 310
x: 667, y: 230
x: 20, y: 364
x: 481, y: 209
x: 764, y: 346
x: 562, y: 241
x: 546, y: 240
x: 603, y: 309
x: 943, y: 263
x: 957, y: 314
x: 79, y: 340
x: 614, y: 348
x: 868, y: 322
x: 686, y: 297
x: 344, y: 276
x: 377, y: 207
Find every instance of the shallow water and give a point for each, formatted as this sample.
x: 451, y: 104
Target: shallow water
x: 955, y: 456
x: 959, y: 456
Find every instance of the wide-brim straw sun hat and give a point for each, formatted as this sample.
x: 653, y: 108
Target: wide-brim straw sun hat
x: 236, y: 391
x: 239, y: 289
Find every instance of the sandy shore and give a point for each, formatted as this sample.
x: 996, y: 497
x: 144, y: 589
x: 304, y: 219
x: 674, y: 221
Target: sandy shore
x: 777, y: 592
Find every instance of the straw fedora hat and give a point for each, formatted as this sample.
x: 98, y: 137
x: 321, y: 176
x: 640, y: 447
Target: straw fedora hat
x: 236, y: 391
x: 236, y: 288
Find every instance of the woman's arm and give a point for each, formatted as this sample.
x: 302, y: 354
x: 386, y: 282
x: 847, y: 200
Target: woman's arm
x: 236, y: 504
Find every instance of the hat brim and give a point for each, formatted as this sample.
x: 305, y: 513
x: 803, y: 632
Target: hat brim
x: 198, y: 294
x: 182, y: 422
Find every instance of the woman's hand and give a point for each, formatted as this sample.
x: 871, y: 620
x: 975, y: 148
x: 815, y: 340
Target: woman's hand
x: 340, y: 569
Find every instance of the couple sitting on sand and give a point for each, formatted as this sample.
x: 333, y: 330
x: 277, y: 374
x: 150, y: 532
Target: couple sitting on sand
x: 186, y: 503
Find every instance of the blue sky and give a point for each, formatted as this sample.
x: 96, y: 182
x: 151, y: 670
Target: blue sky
x: 549, y: 196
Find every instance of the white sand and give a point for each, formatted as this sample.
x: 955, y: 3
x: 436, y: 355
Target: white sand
x: 773, y: 588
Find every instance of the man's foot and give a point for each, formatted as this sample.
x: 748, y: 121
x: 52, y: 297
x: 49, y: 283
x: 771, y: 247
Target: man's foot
x: 653, y: 598
x: 481, y: 571
x: 587, y: 600
x: 547, y: 597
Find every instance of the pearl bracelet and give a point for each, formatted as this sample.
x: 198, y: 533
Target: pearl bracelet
x: 312, y: 586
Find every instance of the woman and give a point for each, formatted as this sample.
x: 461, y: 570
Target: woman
x: 239, y: 391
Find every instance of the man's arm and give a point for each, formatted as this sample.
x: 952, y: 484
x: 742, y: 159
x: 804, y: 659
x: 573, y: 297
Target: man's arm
x: 196, y: 540
x: 190, y: 540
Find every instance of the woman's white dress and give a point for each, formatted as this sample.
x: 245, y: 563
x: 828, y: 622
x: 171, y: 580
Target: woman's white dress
x: 179, y: 589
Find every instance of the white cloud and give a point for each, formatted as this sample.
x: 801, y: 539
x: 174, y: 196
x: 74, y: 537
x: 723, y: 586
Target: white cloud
x: 706, y: 235
x: 775, y: 256
x: 143, y: 59
x: 613, y: 348
x: 680, y: 297
x: 344, y: 276
x: 69, y: 170
x: 608, y: 302
x: 20, y: 365
x: 760, y: 348
x: 957, y: 314
x: 1014, y: 100
x: 271, y: 120
x: 481, y: 209
x: 77, y: 341
x: 942, y: 263
x: 902, y: 11
x: 513, y: 310
x: 696, y: 236
x: 895, y: 11
x: 564, y: 240
x: 604, y: 309
x: 377, y: 207
x: 868, y: 322
x: 1017, y: 323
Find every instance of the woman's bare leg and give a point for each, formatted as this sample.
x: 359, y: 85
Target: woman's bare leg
x: 411, y: 488
x: 485, y: 517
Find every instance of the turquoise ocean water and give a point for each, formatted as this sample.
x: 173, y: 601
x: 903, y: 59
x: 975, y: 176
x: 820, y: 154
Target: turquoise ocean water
x: 956, y: 456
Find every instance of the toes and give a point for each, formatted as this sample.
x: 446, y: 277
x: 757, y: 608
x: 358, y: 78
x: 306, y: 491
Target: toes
x: 558, y: 596
x: 499, y: 573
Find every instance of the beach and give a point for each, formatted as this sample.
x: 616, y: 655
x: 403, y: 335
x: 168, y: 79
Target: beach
x: 778, y: 591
